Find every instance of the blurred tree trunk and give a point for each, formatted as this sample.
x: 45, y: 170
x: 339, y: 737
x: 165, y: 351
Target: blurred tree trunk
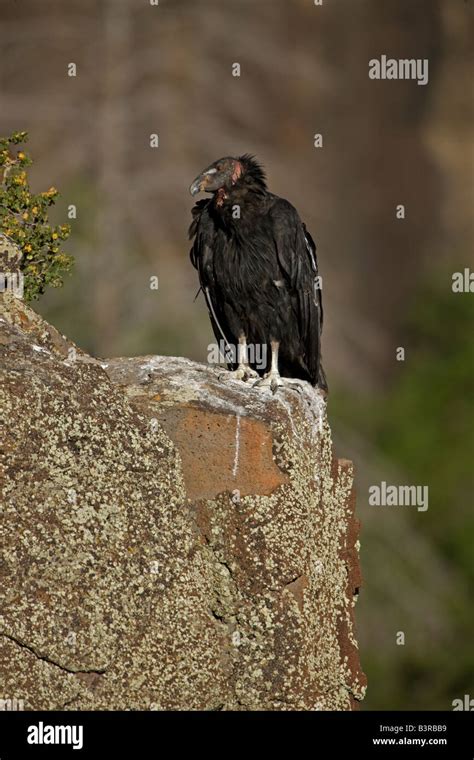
x: 107, y: 290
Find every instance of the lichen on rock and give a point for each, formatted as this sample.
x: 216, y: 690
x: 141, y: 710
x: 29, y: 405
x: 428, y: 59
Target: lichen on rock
x: 171, y: 540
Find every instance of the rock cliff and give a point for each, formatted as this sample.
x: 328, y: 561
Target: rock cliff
x: 170, y: 540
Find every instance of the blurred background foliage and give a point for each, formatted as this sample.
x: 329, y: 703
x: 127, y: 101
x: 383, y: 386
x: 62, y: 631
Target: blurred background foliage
x: 167, y: 69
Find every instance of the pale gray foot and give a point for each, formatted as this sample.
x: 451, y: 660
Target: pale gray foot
x: 270, y: 380
x: 274, y: 380
x: 243, y: 372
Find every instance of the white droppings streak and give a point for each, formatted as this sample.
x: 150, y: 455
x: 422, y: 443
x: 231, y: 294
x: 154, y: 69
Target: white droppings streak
x: 321, y: 419
x: 237, y: 446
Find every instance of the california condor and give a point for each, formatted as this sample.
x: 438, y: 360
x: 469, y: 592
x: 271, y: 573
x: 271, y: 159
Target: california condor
x: 258, y: 271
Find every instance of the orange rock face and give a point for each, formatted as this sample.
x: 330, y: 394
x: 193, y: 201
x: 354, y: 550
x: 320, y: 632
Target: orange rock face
x: 221, y: 450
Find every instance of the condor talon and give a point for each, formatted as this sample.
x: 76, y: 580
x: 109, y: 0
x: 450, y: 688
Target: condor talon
x: 243, y: 372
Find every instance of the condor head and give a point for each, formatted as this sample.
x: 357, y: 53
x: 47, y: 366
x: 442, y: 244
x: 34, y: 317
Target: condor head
x: 221, y: 175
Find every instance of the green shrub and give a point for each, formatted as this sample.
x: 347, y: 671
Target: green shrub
x: 24, y: 220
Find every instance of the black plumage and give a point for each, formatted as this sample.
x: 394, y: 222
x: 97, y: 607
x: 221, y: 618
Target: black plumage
x: 258, y: 270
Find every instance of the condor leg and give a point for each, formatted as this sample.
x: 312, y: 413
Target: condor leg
x: 273, y: 379
x: 244, y: 371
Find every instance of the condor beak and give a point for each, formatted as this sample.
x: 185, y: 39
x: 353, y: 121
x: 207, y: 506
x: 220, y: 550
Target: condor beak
x: 201, y: 182
x: 196, y: 186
